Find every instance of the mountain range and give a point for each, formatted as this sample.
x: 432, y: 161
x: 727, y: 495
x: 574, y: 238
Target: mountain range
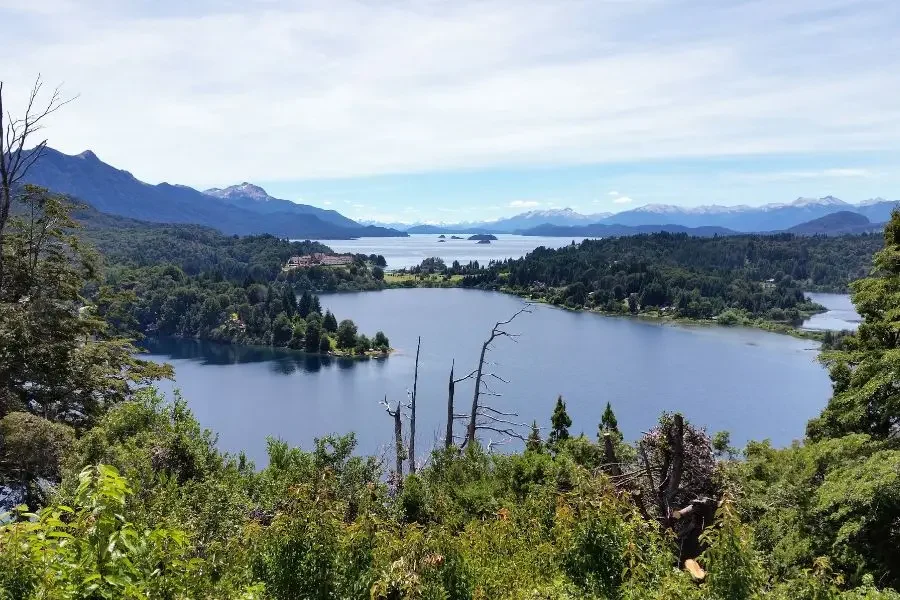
x: 242, y: 209
x: 247, y: 209
x: 735, y: 219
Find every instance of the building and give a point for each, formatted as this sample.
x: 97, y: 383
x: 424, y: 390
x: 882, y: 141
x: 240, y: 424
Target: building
x: 318, y: 259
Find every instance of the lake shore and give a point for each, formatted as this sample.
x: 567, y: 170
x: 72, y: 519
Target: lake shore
x: 433, y: 280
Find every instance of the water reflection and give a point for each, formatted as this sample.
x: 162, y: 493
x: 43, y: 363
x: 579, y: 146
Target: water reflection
x: 281, y: 361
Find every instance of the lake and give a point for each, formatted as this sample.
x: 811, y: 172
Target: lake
x: 411, y: 251
x: 841, y: 313
x: 753, y: 383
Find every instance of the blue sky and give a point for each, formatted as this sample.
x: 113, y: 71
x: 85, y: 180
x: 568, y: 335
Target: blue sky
x: 429, y: 110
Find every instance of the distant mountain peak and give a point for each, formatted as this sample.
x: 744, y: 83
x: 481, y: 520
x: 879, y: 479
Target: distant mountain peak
x: 245, y: 189
x: 826, y: 201
x: 88, y: 155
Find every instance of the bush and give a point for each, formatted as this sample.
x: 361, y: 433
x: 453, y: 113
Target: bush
x: 33, y: 446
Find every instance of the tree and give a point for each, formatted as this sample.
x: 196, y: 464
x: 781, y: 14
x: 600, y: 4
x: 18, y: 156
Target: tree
x: 381, y: 341
x: 559, y: 425
x: 534, y: 443
x: 378, y: 273
x: 412, y: 411
x: 363, y: 344
x: 608, y: 421
x: 325, y: 344
x: 485, y: 417
x: 346, y: 334
x: 16, y: 133
x: 304, y: 306
x: 313, y: 337
x: 58, y: 358
x: 282, y: 330
x: 865, y: 374
x: 329, y: 323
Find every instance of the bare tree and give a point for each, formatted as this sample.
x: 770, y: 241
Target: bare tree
x: 397, y: 415
x: 483, y: 417
x: 412, y: 413
x: 15, y: 134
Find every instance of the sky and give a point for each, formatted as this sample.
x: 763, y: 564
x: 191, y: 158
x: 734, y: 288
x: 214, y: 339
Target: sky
x: 432, y: 110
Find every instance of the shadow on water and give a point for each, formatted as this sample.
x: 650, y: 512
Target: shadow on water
x: 281, y: 361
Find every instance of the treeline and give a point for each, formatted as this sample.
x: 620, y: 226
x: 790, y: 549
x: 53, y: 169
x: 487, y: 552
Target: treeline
x: 163, y: 300
x: 196, y: 250
x: 698, y: 278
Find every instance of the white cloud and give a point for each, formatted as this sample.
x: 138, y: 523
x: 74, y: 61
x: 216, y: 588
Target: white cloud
x: 614, y: 193
x: 327, y: 203
x: 348, y: 88
x: 523, y: 204
x: 623, y: 200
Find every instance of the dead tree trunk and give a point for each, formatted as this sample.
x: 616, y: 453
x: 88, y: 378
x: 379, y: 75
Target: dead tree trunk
x: 397, y: 415
x: 496, y: 331
x: 448, y: 437
x: 470, y: 431
x: 412, y: 414
x: 612, y: 462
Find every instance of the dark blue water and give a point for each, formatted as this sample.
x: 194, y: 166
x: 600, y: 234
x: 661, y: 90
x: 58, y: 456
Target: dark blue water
x: 752, y: 383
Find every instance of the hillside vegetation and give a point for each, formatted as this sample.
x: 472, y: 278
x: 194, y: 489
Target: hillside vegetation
x: 690, y: 277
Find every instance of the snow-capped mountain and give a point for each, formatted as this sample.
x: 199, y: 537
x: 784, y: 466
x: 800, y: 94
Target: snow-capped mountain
x: 252, y: 197
x: 741, y: 217
x: 526, y: 220
x: 768, y: 217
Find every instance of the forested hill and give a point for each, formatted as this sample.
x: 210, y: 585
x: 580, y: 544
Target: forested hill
x: 691, y: 276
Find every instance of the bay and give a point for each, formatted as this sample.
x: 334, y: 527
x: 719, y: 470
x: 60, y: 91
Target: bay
x: 410, y: 251
x: 841, y: 314
x: 752, y: 383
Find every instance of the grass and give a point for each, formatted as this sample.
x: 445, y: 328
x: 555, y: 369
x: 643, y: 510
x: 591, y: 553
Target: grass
x: 410, y: 280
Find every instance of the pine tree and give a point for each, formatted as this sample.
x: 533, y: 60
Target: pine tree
x: 534, y: 443
x: 560, y: 421
x: 608, y: 422
x: 304, y: 307
x: 330, y: 323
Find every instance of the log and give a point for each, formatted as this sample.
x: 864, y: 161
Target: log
x: 696, y: 571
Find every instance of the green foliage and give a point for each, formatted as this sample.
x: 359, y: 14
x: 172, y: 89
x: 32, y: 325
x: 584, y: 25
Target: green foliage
x: 735, y: 571
x: 92, y: 551
x: 608, y: 421
x: 688, y: 277
x: 33, y: 447
x: 560, y: 422
x: 346, y: 334
x: 57, y: 358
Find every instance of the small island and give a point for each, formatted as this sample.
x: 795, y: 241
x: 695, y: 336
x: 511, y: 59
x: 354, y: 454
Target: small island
x: 442, y: 236
x: 441, y: 241
x: 483, y: 237
x: 455, y: 237
x: 483, y: 242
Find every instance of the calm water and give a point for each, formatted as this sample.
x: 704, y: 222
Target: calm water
x: 411, y: 251
x: 752, y: 383
x: 841, y: 313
